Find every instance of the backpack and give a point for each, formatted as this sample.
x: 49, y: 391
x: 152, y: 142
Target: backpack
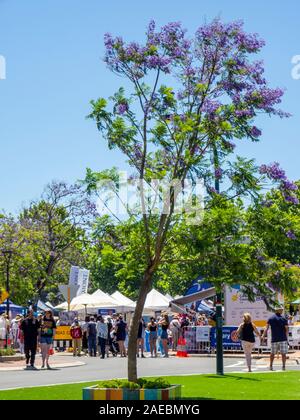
x: 92, y: 330
x: 76, y: 332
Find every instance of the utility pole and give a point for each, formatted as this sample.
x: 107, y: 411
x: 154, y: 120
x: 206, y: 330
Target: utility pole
x: 7, y: 253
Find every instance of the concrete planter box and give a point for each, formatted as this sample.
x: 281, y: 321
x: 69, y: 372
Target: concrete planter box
x: 11, y: 358
x: 123, y: 394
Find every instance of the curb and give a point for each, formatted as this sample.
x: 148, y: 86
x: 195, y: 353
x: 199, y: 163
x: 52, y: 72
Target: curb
x: 4, y: 359
x: 55, y: 366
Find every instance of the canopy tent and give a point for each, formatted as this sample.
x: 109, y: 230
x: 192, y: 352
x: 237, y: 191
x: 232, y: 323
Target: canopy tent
x: 13, y: 309
x: 105, y: 300
x: 12, y: 306
x: 84, y: 301
x: 125, y: 304
x: 95, y: 301
x: 156, y: 302
x: 169, y: 297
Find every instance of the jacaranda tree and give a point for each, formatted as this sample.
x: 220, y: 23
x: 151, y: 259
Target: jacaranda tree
x: 190, y: 100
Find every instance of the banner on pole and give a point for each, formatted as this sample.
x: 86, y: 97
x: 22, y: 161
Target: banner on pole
x: 79, y: 277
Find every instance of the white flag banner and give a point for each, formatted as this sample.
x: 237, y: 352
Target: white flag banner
x: 73, y: 278
x: 83, y: 281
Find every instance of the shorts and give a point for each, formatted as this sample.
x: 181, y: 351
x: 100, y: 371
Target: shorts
x: 153, y: 335
x: 47, y: 340
x: 282, y: 347
x: 164, y: 335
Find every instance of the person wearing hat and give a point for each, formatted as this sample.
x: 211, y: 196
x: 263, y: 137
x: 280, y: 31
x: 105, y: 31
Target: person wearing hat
x: 279, y: 332
x: 76, y: 334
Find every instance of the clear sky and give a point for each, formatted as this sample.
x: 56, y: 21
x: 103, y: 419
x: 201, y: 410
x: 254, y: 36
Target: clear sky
x: 53, y: 51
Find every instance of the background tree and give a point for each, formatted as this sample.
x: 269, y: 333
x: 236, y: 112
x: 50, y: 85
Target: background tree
x: 60, y: 220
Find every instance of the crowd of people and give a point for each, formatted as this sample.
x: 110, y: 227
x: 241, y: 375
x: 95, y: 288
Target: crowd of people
x: 104, y: 336
x: 31, y: 334
x: 96, y: 335
x: 109, y: 335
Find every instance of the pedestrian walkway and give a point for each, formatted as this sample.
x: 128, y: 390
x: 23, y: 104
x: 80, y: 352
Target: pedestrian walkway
x: 58, y: 360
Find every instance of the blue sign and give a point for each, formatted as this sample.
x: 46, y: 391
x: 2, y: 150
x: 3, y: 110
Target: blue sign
x: 104, y: 312
x: 230, y: 338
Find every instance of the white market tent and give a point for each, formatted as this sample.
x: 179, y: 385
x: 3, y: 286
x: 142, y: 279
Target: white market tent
x: 125, y: 304
x: 86, y: 301
x: 104, y: 300
x: 156, y: 302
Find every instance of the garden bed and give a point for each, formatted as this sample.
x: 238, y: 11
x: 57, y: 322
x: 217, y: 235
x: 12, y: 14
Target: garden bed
x: 157, y: 390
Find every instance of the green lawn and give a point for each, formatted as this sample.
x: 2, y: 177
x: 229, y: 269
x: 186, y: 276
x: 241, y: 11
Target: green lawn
x: 271, y: 386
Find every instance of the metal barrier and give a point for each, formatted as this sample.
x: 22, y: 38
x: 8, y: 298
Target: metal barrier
x: 201, y: 340
x: 197, y: 339
x: 62, y: 345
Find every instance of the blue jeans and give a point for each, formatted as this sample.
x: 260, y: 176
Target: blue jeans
x: 102, y: 344
x: 92, y: 343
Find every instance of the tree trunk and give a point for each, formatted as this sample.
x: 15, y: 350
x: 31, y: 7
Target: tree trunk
x: 134, y: 326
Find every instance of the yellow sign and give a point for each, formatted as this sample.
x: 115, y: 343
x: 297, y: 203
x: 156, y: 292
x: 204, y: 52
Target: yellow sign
x: 63, y: 333
x: 3, y: 295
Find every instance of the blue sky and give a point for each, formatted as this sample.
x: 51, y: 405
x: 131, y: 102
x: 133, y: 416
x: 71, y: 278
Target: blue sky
x: 53, y: 51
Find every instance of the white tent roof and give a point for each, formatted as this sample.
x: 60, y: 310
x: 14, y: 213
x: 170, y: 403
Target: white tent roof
x: 119, y: 297
x: 155, y: 301
x: 168, y: 297
x: 97, y: 300
x: 105, y: 300
x: 125, y: 304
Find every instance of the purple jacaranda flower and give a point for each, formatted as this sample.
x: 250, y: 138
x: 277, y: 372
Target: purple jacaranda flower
x: 291, y: 235
x: 267, y: 203
x: 255, y: 132
x: 273, y: 171
x: 291, y: 199
x: 244, y: 113
x: 218, y: 173
x: 289, y: 186
x: 229, y: 145
x: 122, y: 108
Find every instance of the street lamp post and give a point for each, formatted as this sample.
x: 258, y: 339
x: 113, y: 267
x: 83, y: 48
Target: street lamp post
x: 219, y: 315
x: 7, y: 253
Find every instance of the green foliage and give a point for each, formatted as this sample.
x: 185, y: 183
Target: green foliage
x: 144, y: 383
x: 7, y: 352
x: 157, y: 383
x: 118, y: 383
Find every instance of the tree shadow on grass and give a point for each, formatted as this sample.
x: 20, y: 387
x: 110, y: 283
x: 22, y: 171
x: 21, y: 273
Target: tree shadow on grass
x: 238, y: 378
x: 197, y: 399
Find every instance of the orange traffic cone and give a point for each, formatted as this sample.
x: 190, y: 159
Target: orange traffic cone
x: 181, y: 348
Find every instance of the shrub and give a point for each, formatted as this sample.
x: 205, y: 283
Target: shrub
x: 7, y: 352
x: 118, y: 383
x: 157, y: 383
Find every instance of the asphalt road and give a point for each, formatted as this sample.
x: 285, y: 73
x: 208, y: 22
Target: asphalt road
x: 97, y: 369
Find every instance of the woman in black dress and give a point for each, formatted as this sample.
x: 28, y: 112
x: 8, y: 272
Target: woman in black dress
x: 246, y: 333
